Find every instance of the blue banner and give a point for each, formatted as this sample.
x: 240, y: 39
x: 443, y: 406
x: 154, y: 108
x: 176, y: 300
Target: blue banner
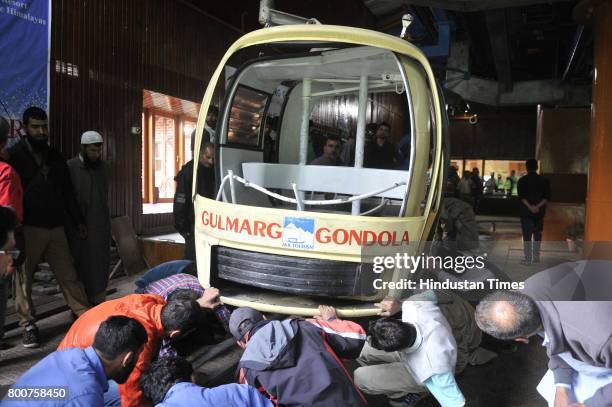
x: 24, y: 58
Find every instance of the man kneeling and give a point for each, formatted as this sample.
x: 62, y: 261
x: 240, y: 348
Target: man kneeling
x: 79, y: 377
x: 168, y: 383
x: 296, y: 362
x: 406, y: 359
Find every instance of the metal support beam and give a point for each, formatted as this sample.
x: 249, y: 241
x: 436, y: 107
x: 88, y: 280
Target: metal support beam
x: 498, y: 35
x: 304, y: 128
x: 360, y: 136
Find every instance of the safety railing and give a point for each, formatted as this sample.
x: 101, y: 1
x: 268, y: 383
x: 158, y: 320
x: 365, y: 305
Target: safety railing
x: 300, y: 202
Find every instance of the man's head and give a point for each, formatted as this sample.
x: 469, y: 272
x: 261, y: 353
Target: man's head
x: 8, y: 223
x: 118, y: 343
x: 512, y: 173
x: 91, y: 147
x: 475, y: 171
x: 370, y: 131
x: 382, y: 132
x: 332, y: 147
x: 466, y: 174
x: 183, y: 294
x: 162, y: 375
x: 36, y: 127
x: 390, y: 334
x: 180, y: 317
x: 532, y: 165
x: 508, y: 315
x: 5, y: 128
x: 212, y: 116
x: 207, y: 155
x: 242, y: 321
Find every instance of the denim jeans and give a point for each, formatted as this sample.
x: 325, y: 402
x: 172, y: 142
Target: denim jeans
x: 5, y: 286
x: 532, y: 229
x: 160, y: 271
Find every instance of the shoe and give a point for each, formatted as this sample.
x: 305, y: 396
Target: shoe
x: 31, y: 338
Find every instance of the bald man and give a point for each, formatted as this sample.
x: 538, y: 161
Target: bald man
x: 576, y: 326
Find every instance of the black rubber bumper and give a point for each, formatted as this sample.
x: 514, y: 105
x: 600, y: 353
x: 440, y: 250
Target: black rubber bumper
x: 292, y: 275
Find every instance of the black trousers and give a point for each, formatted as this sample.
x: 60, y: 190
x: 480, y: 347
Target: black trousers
x: 189, y: 253
x: 532, y: 236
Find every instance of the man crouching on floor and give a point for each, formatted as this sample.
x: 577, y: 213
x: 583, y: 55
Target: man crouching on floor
x: 421, y: 353
x: 296, y: 362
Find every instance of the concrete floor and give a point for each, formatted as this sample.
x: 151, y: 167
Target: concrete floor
x: 509, y: 380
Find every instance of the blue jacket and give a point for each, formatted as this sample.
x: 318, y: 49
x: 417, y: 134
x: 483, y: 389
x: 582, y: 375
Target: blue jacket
x: 228, y: 395
x: 79, y: 372
x: 296, y: 362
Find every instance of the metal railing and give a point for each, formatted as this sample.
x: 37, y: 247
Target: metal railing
x: 299, y: 202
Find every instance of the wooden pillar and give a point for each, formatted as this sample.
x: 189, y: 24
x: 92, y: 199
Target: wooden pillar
x: 598, y: 227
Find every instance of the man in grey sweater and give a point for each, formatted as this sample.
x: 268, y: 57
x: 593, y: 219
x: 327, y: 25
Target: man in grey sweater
x: 569, y: 305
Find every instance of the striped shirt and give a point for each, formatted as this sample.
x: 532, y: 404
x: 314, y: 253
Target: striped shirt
x: 168, y: 285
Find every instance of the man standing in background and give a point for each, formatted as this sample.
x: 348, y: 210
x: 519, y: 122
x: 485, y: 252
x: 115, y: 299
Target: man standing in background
x: 89, y: 174
x: 534, y: 193
x: 210, y: 125
x: 48, y: 201
x: 184, y: 216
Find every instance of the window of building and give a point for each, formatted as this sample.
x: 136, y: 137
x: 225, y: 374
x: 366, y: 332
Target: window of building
x: 168, y: 124
x: 502, y: 170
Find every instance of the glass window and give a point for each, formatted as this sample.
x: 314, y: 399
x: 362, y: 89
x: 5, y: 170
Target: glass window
x: 188, y: 128
x: 164, y: 156
x: 246, y: 116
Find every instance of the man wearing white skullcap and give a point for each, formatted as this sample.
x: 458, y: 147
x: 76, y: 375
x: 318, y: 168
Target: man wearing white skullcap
x: 90, y: 175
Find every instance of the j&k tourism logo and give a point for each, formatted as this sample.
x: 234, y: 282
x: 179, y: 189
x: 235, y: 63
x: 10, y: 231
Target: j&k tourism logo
x: 298, y: 233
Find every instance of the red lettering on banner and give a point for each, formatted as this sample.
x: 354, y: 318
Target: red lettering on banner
x: 369, y: 238
x: 344, y: 238
x: 232, y: 224
x: 355, y: 237
x: 274, y: 234
x: 246, y: 226
x: 385, y: 242
x: 258, y: 228
x: 322, y: 239
x: 323, y: 235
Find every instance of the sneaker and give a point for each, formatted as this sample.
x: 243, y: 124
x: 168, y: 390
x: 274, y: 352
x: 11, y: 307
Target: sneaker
x: 31, y: 338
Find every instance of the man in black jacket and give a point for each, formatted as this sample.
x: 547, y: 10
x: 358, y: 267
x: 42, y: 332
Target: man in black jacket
x: 381, y: 153
x: 48, y: 198
x: 184, y: 217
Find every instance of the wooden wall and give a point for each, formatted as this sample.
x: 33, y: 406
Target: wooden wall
x: 120, y: 48
x: 387, y: 107
x: 107, y: 51
x: 502, y: 133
